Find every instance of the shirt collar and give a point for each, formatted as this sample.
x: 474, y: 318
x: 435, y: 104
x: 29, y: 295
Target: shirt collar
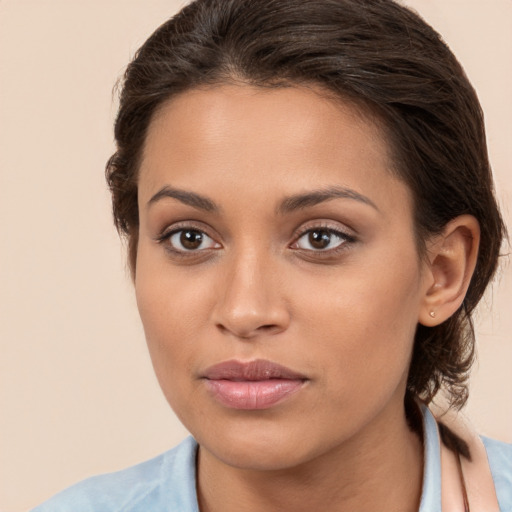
x: 431, y: 494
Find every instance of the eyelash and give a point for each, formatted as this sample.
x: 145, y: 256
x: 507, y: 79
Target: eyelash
x: 346, y: 240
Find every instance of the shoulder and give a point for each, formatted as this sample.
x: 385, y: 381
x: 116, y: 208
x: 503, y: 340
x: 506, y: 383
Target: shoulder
x: 164, y: 481
x: 500, y: 460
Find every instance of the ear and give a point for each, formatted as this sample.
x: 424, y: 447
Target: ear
x: 451, y: 261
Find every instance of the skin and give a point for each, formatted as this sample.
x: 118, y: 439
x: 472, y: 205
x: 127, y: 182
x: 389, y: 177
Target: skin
x: 256, y: 288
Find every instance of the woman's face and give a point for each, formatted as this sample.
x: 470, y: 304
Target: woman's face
x: 277, y: 275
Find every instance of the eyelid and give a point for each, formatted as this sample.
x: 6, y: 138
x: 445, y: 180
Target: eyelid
x: 347, y: 235
x: 181, y: 225
x: 333, y: 227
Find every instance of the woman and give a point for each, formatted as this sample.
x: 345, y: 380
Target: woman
x: 309, y: 209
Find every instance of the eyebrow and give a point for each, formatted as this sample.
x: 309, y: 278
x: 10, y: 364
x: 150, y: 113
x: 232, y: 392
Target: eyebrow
x: 189, y: 198
x: 288, y: 205
x: 312, y: 198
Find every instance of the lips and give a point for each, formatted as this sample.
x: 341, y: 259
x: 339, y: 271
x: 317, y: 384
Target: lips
x: 253, y: 385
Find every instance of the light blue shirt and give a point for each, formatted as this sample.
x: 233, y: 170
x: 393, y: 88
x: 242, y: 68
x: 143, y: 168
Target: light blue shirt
x: 167, y: 483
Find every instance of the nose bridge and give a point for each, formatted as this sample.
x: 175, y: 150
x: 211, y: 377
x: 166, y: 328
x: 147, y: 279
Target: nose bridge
x: 250, y: 298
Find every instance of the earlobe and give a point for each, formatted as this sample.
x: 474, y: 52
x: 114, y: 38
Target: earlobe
x: 452, y: 259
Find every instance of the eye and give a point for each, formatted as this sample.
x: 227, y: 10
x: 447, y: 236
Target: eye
x: 321, y: 239
x: 189, y: 240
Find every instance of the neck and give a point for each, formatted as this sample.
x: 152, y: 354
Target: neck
x: 379, y: 469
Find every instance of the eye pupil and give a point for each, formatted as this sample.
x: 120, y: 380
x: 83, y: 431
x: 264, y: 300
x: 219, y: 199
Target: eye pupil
x: 191, y: 239
x: 319, y: 239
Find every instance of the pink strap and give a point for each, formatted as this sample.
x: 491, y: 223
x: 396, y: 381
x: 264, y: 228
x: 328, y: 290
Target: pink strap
x: 452, y: 486
x: 461, y: 477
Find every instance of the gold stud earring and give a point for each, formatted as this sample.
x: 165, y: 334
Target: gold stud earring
x: 432, y: 314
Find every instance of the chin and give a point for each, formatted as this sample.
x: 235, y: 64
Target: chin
x: 257, y: 457
x: 269, y: 447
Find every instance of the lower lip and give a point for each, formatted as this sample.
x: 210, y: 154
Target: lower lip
x: 253, y: 395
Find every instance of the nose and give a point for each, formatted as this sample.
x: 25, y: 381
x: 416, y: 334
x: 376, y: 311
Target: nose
x: 250, y: 300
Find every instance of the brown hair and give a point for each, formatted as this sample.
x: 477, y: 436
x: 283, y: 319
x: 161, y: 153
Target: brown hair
x: 374, y: 52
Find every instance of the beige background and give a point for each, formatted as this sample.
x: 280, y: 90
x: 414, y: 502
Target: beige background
x: 77, y: 392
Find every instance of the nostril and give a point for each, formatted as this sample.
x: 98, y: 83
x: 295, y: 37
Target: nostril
x: 222, y: 328
x: 249, y: 333
x: 268, y: 327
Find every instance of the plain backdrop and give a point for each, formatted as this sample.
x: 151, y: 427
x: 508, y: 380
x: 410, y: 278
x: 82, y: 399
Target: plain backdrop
x: 77, y: 391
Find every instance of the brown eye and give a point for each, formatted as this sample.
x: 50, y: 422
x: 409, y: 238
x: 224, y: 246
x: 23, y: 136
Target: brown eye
x: 321, y: 239
x: 191, y: 240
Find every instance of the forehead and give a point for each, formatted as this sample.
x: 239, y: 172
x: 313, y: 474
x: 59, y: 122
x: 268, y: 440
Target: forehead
x: 244, y: 111
x: 273, y: 139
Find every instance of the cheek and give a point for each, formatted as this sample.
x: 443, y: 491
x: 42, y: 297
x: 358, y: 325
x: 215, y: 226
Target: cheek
x: 364, y: 322
x: 172, y: 315
x: 170, y: 327
x: 169, y: 299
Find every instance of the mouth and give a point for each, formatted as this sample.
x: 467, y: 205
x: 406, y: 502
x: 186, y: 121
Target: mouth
x: 253, y: 385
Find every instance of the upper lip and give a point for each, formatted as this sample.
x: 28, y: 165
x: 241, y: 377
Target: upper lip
x: 257, y: 370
